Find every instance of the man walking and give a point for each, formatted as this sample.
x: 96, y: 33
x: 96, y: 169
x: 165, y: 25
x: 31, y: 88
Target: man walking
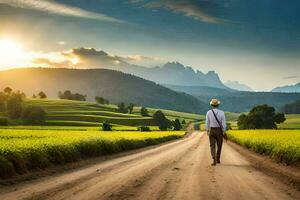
x: 215, y: 128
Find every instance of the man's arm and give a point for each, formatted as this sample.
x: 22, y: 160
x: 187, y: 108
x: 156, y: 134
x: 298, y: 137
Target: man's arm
x: 207, y: 123
x: 224, y: 122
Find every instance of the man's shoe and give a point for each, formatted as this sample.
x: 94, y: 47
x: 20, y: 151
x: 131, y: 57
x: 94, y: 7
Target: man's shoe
x: 218, y: 161
x: 214, y: 163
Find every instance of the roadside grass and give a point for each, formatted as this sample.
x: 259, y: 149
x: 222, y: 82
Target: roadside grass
x: 281, y: 145
x: 25, y: 150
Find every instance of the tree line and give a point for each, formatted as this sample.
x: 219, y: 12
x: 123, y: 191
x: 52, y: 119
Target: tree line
x: 12, y: 104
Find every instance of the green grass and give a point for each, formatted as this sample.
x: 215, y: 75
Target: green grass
x: 25, y: 150
x: 292, y: 122
x: 281, y: 145
x: 78, y: 113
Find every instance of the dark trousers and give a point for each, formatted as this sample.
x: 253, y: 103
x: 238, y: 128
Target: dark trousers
x: 216, y: 138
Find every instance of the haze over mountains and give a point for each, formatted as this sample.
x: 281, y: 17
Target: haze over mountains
x: 288, y: 88
x: 237, y: 86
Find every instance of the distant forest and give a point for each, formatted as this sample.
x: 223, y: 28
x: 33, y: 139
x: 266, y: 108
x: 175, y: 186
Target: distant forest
x: 291, y: 108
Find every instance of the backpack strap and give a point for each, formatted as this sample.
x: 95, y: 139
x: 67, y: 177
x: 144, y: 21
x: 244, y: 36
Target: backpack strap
x: 217, y: 120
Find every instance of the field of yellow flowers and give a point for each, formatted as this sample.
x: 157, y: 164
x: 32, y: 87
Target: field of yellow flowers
x: 281, y: 145
x: 25, y: 150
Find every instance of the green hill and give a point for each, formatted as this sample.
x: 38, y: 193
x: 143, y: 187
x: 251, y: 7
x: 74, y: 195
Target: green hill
x: 112, y: 85
x: 79, y: 113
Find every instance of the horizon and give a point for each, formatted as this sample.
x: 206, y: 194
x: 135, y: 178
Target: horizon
x: 255, y: 43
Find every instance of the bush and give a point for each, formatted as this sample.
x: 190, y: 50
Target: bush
x: 177, y: 125
x: 6, y: 168
x: 42, y: 95
x: 144, y: 128
x: 161, y: 121
x: 34, y: 115
x: 106, y: 126
x: 71, y: 96
x: 3, y: 121
x: 144, y: 112
x: 228, y: 126
x: 14, y: 106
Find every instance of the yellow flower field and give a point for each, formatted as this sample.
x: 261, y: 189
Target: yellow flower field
x: 282, y: 145
x: 23, y: 150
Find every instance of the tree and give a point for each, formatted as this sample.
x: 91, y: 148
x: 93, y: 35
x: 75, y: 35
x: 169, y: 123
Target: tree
x: 34, y: 115
x: 3, y: 99
x: 260, y: 117
x: 101, y: 100
x: 42, y: 95
x: 176, y: 125
x: 106, y: 126
x: 14, y: 105
x: 122, y: 108
x: 161, y: 121
x: 34, y: 96
x: 71, y: 96
x: 144, y: 112
x: 130, y: 108
x: 183, y: 122
x: 7, y: 90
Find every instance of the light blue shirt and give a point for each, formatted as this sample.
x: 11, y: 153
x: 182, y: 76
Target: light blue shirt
x: 211, y: 120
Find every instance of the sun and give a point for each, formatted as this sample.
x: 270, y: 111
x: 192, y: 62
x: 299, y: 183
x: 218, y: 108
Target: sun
x: 12, y: 53
x: 9, y: 46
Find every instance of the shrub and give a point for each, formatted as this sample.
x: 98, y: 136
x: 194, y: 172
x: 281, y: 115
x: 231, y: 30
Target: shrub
x: 34, y: 115
x: 228, y: 126
x: 6, y: 168
x: 161, y: 121
x: 42, y: 95
x: 106, y: 126
x: 3, y: 121
x: 144, y: 112
x: 14, y: 106
x: 177, y: 125
x: 144, y: 128
x: 122, y: 108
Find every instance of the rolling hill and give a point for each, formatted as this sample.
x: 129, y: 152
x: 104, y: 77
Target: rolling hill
x: 112, y: 85
x: 88, y: 114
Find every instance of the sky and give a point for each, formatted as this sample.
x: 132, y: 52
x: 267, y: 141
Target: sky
x: 254, y: 42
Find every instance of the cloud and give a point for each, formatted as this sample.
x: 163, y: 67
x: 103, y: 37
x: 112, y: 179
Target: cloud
x: 148, y: 61
x: 62, y: 43
x: 46, y: 62
x: 59, y: 9
x: 290, y: 77
x: 188, y: 8
x: 92, y: 58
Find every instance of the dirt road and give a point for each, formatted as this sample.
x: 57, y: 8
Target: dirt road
x: 177, y: 170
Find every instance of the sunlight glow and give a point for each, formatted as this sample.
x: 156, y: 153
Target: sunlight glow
x: 9, y: 47
x: 11, y: 52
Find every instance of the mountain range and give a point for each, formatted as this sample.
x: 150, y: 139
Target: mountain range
x: 113, y: 85
x: 237, y: 86
x: 288, y: 88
